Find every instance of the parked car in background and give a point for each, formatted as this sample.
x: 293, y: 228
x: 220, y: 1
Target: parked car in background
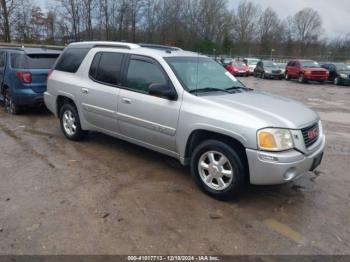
x: 238, y: 68
x: 251, y: 63
x: 23, y: 75
x: 186, y: 106
x: 339, y: 73
x: 268, y: 69
x: 306, y: 70
x: 226, y: 61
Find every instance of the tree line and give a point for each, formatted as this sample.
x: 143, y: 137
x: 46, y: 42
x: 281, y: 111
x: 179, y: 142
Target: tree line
x: 207, y: 26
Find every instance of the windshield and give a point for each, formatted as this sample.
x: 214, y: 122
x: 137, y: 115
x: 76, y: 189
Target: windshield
x: 310, y: 64
x: 33, y: 61
x: 342, y: 67
x: 252, y: 61
x: 203, y: 74
x: 270, y: 64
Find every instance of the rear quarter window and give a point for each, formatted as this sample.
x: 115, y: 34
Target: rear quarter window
x: 33, y: 61
x: 71, y: 60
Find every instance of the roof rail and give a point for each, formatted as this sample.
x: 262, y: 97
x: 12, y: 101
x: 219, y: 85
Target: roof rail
x: 95, y: 44
x: 160, y: 47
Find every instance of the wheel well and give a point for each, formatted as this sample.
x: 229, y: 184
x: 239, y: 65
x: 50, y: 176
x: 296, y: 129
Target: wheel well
x: 61, y: 100
x: 4, y: 87
x: 198, y: 136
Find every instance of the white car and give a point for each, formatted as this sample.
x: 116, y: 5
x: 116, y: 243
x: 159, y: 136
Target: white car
x: 251, y: 63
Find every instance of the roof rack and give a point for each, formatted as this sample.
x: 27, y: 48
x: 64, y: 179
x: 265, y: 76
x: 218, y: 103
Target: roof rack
x: 95, y: 44
x: 160, y: 47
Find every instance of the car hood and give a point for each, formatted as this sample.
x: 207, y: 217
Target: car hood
x: 272, y: 110
x: 347, y: 72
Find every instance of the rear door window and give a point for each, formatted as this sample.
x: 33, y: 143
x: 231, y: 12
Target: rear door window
x: 106, y: 67
x: 33, y: 61
x: 71, y: 60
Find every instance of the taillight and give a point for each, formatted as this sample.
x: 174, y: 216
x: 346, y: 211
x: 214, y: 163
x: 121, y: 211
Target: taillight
x: 49, y: 73
x: 25, y: 77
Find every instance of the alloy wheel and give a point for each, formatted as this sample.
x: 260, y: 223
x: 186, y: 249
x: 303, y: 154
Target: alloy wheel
x: 215, y: 170
x: 69, y: 123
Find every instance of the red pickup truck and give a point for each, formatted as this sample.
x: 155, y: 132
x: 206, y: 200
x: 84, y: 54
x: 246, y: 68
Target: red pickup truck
x: 305, y: 70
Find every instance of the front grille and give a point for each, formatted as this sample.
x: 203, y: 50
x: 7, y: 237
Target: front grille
x: 276, y: 71
x: 318, y: 72
x: 305, y: 131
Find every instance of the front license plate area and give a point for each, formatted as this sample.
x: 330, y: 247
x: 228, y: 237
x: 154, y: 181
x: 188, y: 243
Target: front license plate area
x: 317, y: 162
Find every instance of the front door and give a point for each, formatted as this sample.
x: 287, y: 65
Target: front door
x: 142, y: 117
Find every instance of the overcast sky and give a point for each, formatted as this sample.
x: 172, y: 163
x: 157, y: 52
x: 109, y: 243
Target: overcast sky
x: 335, y: 13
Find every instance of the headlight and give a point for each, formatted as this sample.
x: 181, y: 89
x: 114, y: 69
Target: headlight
x: 275, y: 139
x: 307, y: 72
x: 343, y: 75
x: 268, y: 71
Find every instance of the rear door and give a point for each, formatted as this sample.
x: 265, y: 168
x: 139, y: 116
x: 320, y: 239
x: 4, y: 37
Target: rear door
x: 142, y: 117
x: 99, y: 93
x: 2, y: 69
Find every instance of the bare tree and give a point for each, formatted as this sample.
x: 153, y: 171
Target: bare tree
x: 307, y: 25
x: 244, y: 23
x: 6, y: 8
x: 269, y: 27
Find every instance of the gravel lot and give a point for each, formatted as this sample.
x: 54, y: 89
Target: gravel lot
x: 106, y: 196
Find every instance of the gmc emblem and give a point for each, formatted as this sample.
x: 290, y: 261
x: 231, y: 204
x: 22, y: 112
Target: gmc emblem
x: 311, y: 134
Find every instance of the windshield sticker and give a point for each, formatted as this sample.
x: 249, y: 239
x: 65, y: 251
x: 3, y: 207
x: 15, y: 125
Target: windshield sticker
x: 231, y: 76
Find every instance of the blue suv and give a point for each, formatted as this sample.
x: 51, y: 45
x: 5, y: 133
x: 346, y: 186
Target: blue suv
x: 23, y: 76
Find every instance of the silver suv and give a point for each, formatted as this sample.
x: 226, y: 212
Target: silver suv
x: 186, y: 106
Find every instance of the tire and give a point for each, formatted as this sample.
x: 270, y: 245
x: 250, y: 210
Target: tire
x: 287, y: 76
x: 301, y: 79
x: 221, y: 186
x: 70, y: 123
x: 10, y: 105
x: 336, y: 81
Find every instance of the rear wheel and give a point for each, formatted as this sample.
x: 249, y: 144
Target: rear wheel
x: 217, y: 169
x: 70, y: 123
x: 10, y: 105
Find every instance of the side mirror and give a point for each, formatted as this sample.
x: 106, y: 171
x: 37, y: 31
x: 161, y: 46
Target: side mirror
x: 162, y: 90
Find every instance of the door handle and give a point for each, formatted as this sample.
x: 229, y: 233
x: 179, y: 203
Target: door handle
x: 85, y: 91
x: 126, y: 100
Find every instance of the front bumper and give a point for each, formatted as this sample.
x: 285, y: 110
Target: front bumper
x: 316, y: 77
x: 274, y: 75
x: 270, y: 168
x: 344, y: 81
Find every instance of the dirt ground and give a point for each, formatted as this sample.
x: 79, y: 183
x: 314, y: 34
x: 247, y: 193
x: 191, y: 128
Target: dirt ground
x: 106, y: 196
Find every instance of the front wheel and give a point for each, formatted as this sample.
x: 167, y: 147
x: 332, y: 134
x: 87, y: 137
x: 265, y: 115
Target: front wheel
x: 217, y: 169
x: 287, y: 76
x: 70, y: 123
x: 10, y: 105
x: 302, y: 78
x: 336, y: 81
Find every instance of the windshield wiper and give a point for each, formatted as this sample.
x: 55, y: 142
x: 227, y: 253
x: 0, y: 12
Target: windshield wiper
x: 210, y: 89
x: 234, y: 88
